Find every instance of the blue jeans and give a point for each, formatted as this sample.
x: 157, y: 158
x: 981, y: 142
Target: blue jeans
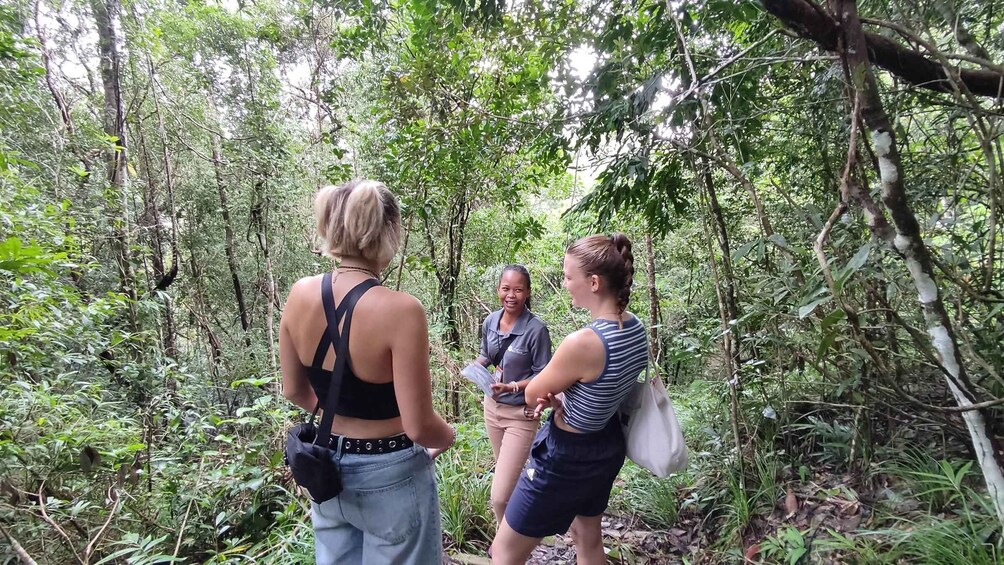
x: 388, y: 511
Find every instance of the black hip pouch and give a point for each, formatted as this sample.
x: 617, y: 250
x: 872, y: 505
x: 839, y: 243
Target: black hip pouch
x: 313, y: 466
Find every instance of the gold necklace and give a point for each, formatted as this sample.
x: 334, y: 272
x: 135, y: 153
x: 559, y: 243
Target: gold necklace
x: 359, y: 270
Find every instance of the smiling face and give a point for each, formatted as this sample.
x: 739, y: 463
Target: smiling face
x: 513, y: 291
x: 578, y: 284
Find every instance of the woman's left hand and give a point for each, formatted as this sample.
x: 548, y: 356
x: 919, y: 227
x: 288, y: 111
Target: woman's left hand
x: 551, y: 401
x: 498, y: 389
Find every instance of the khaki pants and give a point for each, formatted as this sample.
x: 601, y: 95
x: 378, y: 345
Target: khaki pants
x: 511, y: 434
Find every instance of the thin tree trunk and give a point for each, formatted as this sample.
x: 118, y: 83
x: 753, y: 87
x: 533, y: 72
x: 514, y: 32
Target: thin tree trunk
x: 151, y: 221
x: 449, y: 277
x: 727, y: 307
x: 724, y: 159
x: 722, y: 236
x: 653, y: 301
x: 213, y: 344
x: 57, y: 97
x: 910, y: 245
x: 270, y: 294
x: 106, y: 16
x: 170, y: 344
x: 404, y: 254
x: 994, y: 183
x: 259, y: 217
x: 453, y: 394
x: 16, y: 547
x: 229, y: 244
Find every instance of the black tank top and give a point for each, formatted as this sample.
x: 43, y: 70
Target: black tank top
x: 358, y: 398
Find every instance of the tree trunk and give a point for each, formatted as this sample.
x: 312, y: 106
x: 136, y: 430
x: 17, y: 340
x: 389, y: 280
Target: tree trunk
x: 106, y: 17
x: 152, y: 224
x: 170, y: 347
x: 461, y: 210
x: 910, y: 245
x: 806, y: 19
x: 653, y: 302
x: 403, y: 253
x: 229, y: 245
x: 727, y: 307
x: 213, y: 344
x: 64, y: 111
x: 448, y: 275
x: 259, y: 218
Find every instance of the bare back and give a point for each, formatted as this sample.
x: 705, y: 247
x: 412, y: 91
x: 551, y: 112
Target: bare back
x: 370, y: 340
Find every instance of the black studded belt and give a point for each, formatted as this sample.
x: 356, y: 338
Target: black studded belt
x: 371, y: 446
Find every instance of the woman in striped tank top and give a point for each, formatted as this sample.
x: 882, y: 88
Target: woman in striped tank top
x: 576, y: 456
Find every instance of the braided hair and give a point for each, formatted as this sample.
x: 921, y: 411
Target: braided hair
x: 609, y: 257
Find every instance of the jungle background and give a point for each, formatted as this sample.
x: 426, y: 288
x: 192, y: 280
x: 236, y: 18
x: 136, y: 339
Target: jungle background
x: 813, y: 189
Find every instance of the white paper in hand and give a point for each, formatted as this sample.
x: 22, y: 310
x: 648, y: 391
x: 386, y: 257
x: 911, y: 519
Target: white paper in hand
x: 480, y: 376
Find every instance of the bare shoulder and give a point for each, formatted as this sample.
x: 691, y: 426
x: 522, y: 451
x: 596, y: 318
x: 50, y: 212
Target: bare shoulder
x: 581, y: 342
x: 302, y: 290
x: 305, y: 285
x: 401, y: 304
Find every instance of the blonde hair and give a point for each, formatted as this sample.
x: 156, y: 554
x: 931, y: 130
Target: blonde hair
x: 360, y: 218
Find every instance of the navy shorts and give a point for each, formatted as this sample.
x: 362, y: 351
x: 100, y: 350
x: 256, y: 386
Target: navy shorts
x: 568, y: 475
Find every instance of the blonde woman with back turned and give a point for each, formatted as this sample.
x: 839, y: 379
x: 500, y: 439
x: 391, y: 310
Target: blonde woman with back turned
x: 385, y: 433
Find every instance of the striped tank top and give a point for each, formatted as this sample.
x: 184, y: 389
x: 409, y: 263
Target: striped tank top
x: 589, y: 406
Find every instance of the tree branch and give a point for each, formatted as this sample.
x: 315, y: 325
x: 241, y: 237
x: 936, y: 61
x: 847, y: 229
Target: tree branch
x: 18, y: 550
x: 59, y: 530
x: 812, y: 23
x: 116, y: 500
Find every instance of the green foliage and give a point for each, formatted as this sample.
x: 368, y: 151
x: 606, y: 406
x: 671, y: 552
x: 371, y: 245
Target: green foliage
x: 940, y: 484
x: 927, y: 542
x: 656, y: 501
x: 654, y: 189
x: 787, y: 546
x: 464, y: 475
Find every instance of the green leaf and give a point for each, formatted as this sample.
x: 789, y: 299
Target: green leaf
x: 804, y: 311
x: 891, y: 290
x: 779, y: 240
x: 857, y: 261
x: 832, y: 318
x: 861, y: 257
x: 993, y: 313
x: 825, y: 344
x: 253, y: 381
x: 744, y: 249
